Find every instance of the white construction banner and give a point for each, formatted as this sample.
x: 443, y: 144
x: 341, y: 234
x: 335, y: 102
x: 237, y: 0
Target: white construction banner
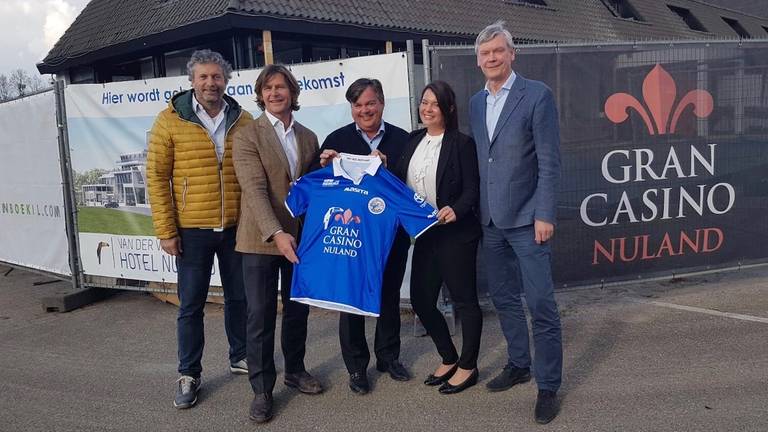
x: 32, y: 220
x: 108, y: 128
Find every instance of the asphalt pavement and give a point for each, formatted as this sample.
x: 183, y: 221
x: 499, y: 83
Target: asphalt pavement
x: 684, y: 355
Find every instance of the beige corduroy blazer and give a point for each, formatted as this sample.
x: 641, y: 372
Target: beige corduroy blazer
x: 263, y: 172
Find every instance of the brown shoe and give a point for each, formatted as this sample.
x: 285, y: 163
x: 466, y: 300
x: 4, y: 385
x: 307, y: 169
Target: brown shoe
x: 304, y: 382
x: 261, y: 408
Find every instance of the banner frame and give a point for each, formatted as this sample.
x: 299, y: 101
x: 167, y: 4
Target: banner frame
x: 68, y: 188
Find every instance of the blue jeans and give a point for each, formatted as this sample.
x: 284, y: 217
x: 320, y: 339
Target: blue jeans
x: 194, y: 277
x: 516, y: 264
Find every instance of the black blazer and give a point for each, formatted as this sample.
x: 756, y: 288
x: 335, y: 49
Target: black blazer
x: 458, y: 182
x: 347, y: 140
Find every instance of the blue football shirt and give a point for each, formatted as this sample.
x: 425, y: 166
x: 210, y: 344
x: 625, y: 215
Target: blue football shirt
x: 353, y: 209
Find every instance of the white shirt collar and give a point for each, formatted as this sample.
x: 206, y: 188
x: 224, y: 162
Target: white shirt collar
x: 374, y: 162
x: 274, y: 120
x: 197, y: 106
x: 507, y: 84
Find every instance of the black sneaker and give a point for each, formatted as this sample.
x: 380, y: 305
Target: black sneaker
x: 508, y: 378
x: 547, y: 406
x: 186, y: 392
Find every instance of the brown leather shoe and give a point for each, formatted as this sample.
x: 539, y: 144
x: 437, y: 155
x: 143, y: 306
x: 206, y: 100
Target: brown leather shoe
x: 304, y: 382
x: 261, y: 408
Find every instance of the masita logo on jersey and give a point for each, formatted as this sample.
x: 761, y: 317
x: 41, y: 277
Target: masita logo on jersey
x: 355, y: 190
x: 376, y: 205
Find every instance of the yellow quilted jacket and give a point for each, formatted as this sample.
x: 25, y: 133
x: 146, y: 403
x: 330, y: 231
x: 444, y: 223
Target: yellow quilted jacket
x: 188, y: 186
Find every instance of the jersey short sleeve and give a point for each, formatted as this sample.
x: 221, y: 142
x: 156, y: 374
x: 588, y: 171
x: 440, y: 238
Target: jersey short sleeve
x: 299, y: 196
x: 414, y: 213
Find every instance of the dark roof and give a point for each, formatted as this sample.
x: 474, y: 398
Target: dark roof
x: 106, y: 28
x: 104, y: 23
x: 757, y: 8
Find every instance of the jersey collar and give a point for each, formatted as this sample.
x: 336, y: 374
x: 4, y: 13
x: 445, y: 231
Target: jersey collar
x: 374, y: 162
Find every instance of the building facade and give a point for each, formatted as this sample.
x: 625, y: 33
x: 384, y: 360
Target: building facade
x: 124, y: 186
x: 115, y: 40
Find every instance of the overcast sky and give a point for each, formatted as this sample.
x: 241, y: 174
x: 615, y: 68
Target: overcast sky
x: 29, y: 28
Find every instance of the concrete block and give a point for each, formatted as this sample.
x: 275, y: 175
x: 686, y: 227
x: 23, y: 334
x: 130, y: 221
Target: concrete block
x: 66, y: 301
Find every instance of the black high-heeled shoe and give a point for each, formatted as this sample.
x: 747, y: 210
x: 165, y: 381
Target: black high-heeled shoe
x: 448, y: 388
x: 433, y: 380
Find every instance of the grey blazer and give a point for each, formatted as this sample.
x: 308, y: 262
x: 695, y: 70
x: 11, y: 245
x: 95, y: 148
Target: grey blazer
x: 520, y: 164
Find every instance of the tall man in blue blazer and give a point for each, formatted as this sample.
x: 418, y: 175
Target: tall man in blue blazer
x: 514, y: 121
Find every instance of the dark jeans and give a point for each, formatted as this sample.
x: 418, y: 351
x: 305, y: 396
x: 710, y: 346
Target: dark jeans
x: 386, y: 345
x: 194, y: 277
x: 517, y: 264
x: 436, y: 260
x: 261, y: 274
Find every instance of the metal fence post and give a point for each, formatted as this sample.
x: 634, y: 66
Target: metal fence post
x: 70, y: 205
x: 426, y: 55
x: 411, y: 84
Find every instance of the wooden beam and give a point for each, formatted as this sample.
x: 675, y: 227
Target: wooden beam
x: 269, y: 56
x: 388, y: 48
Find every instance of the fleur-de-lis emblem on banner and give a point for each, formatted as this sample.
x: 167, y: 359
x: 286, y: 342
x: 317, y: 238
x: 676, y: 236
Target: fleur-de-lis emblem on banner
x: 659, y: 92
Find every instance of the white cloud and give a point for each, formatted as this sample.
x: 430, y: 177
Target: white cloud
x: 59, y: 15
x: 29, y: 29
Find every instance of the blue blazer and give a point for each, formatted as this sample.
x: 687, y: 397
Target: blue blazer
x: 520, y: 164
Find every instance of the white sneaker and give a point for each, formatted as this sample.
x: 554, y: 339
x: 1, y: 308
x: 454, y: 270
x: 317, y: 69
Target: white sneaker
x: 239, y: 368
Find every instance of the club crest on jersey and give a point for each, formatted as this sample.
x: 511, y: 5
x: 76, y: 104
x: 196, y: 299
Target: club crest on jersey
x: 376, y: 205
x: 330, y: 182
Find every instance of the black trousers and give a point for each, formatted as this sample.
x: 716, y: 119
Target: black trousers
x: 260, y: 274
x: 437, y: 259
x: 386, y: 345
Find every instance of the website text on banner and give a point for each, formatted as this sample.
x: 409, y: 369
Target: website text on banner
x: 108, y: 127
x: 32, y: 220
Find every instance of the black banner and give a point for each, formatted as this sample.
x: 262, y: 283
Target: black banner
x: 664, y: 153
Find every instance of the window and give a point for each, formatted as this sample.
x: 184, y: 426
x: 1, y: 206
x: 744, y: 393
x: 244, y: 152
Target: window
x: 623, y: 9
x: 287, y: 51
x: 251, y: 51
x: 81, y: 75
x: 738, y: 28
x: 176, y: 61
x: 690, y: 20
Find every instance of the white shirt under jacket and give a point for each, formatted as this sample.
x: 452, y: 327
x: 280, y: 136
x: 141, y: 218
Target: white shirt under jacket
x: 422, y: 170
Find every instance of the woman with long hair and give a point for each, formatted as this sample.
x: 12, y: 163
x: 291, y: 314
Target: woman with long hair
x: 440, y: 164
